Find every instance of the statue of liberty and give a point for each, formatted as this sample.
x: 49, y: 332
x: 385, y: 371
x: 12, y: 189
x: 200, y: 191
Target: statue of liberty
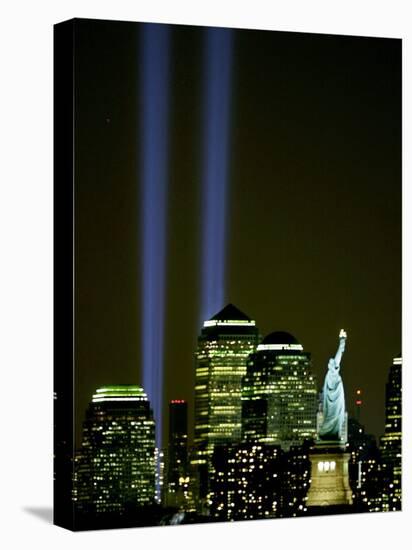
x: 334, y: 397
x: 329, y: 458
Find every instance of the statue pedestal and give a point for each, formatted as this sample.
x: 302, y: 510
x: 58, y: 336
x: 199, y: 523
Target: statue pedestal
x: 329, y: 477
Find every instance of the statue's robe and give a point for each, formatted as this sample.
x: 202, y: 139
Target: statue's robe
x: 333, y: 406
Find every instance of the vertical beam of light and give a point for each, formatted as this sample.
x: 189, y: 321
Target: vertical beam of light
x: 155, y: 48
x: 217, y: 104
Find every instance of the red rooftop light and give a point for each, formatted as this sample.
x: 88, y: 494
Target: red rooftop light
x: 177, y: 401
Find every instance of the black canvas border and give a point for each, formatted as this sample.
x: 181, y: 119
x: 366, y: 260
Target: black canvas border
x: 63, y: 294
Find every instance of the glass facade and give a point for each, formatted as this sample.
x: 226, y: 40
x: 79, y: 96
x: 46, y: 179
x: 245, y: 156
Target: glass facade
x: 115, y: 467
x: 224, y: 345
x: 279, y: 395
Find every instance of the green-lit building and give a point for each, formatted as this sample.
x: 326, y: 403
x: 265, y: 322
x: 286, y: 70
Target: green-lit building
x: 279, y: 394
x: 115, y: 467
x: 391, y: 441
x: 225, y: 342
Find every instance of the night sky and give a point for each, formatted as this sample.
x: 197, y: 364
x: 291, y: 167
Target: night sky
x: 314, y: 217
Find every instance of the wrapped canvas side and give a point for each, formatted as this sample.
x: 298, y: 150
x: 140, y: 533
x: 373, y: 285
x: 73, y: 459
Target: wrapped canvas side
x: 63, y: 273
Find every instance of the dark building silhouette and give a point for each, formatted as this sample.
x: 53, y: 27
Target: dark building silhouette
x: 257, y: 481
x: 365, y: 472
x: 358, y: 404
x: 391, y: 441
x: 115, y: 467
x: 295, y: 481
x: 246, y: 482
x: 279, y: 394
x: 177, y: 466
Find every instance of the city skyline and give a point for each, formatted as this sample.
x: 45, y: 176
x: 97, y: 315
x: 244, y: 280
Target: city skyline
x: 274, y: 343
x: 313, y: 212
x: 354, y: 406
x: 243, y: 468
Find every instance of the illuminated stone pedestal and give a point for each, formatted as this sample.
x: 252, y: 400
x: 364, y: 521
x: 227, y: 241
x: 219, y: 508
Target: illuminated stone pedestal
x: 329, y: 478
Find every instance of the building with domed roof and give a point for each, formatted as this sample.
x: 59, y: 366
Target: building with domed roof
x: 279, y: 394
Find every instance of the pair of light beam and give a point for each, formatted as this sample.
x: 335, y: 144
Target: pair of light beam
x: 154, y: 131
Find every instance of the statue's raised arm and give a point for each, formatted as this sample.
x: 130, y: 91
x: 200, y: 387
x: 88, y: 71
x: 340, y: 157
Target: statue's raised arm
x: 333, y: 409
x: 341, y: 347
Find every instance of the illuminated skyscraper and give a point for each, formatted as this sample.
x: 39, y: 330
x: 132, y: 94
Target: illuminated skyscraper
x: 115, y: 470
x: 391, y: 441
x: 279, y: 395
x: 225, y: 342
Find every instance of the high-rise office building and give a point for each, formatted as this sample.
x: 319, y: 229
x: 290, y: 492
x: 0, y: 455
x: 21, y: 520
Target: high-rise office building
x: 177, y: 467
x: 225, y: 342
x: 391, y: 441
x: 279, y: 395
x: 115, y: 468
